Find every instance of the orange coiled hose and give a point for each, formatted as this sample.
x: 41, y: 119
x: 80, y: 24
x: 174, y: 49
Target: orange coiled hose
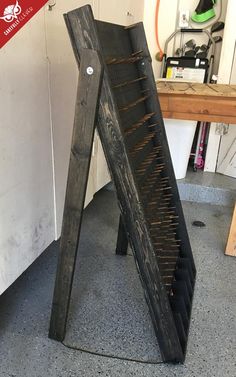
x: 156, y: 29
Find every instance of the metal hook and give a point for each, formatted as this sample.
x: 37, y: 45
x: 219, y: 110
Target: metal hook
x: 50, y: 6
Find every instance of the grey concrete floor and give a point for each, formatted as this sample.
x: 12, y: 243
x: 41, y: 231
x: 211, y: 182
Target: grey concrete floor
x: 25, y: 349
x: 212, y: 188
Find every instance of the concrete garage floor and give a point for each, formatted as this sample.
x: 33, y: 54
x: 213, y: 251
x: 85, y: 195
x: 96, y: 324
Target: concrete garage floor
x: 25, y: 349
x: 205, y: 187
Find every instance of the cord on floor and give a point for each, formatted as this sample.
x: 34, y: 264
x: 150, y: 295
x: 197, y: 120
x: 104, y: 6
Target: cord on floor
x: 151, y: 362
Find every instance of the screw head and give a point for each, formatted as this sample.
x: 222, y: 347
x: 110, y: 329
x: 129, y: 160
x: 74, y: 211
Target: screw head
x: 89, y: 70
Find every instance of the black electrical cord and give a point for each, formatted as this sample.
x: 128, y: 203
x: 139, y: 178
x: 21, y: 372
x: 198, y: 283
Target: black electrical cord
x: 151, y: 362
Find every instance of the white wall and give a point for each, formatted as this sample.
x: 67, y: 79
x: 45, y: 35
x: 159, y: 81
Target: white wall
x: 26, y: 191
x: 228, y: 47
x: 123, y: 12
x: 167, y: 23
x: 226, y: 163
x: 226, y: 61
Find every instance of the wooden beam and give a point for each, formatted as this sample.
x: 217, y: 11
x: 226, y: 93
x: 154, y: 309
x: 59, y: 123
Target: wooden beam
x: 231, y: 243
x: 83, y: 32
x: 122, y: 240
x: 89, y: 86
x: 200, y: 102
x: 167, y: 86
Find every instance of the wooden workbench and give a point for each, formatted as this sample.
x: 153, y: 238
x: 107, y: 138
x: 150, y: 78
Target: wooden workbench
x: 201, y: 102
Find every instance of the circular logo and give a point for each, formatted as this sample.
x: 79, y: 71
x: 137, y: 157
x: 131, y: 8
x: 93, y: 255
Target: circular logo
x: 11, y: 12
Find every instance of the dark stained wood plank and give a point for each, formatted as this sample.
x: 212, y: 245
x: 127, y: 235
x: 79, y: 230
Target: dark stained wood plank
x: 83, y: 33
x: 180, y: 328
x: 89, y: 86
x: 122, y: 240
x: 138, y: 40
x: 132, y: 133
x: 113, y: 39
x: 180, y: 288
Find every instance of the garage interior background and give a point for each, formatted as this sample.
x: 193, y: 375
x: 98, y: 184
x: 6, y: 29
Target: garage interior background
x: 38, y: 79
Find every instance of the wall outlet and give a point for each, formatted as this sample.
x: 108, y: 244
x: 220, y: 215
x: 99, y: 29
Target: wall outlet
x: 221, y: 129
x: 184, y: 18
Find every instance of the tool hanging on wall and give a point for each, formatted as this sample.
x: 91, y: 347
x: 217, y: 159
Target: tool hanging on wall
x: 204, y: 11
x: 181, y: 54
x: 216, y: 27
x: 200, y: 51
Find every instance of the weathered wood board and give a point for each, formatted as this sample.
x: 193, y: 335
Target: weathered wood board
x: 80, y: 156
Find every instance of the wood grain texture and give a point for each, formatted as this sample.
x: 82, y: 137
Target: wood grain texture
x: 132, y: 133
x: 82, y: 139
x: 196, y: 89
x: 83, y: 33
x: 201, y: 102
x: 231, y: 243
x: 122, y: 240
x: 186, y: 271
x: 139, y: 42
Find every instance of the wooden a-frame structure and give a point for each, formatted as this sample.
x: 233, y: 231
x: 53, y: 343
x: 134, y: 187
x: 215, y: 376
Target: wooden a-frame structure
x: 117, y: 94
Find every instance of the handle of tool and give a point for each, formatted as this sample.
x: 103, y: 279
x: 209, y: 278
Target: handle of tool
x: 183, y: 30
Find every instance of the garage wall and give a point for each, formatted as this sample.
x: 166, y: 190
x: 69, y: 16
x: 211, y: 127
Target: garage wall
x: 165, y: 28
x: 26, y: 190
x: 226, y: 162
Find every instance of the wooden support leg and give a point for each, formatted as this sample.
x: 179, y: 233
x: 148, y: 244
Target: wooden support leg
x: 122, y: 240
x: 90, y: 77
x: 231, y: 243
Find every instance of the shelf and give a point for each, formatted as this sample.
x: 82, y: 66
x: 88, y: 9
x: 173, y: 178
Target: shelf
x: 200, y: 102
